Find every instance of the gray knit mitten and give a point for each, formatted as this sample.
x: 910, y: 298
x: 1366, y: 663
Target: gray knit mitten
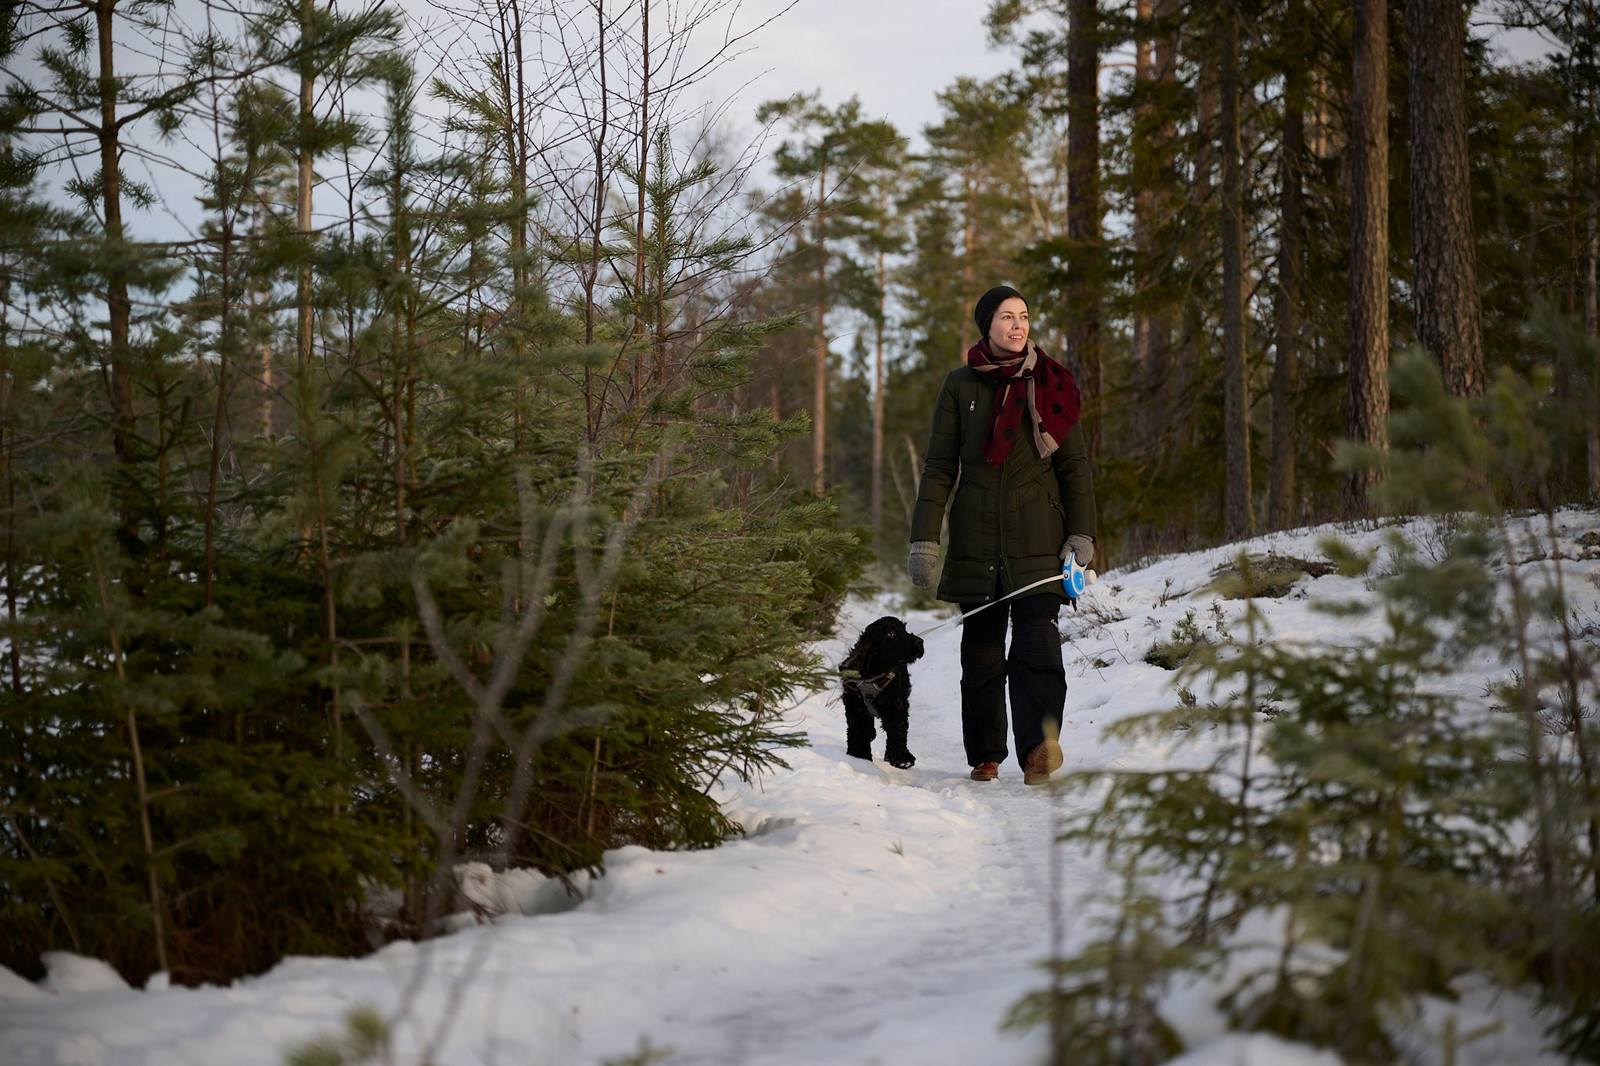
x: 923, y: 561
x: 1080, y: 546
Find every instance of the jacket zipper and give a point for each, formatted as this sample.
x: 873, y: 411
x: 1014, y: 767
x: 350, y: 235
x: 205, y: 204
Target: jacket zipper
x: 1000, y: 519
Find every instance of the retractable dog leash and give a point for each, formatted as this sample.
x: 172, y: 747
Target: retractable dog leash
x: 1074, y: 579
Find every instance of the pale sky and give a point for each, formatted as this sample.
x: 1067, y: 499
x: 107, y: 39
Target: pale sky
x: 893, y: 54
x: 897, y: 54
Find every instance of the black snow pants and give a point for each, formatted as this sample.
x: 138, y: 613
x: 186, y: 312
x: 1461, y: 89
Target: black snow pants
x: 1034, y: 669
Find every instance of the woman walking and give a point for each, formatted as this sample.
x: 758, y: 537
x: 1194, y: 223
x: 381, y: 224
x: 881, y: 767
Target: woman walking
x: 1005, y: 438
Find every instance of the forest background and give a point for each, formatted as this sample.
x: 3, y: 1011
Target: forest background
x: 469, y: 474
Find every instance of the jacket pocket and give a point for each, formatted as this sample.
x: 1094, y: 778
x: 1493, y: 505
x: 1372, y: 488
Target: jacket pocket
x: 1037, y: 524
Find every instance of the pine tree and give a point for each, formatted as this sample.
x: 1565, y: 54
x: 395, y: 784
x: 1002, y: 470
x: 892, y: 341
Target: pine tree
x: 264, y: 704
x: 839, y: 150
x: 1406, y: 834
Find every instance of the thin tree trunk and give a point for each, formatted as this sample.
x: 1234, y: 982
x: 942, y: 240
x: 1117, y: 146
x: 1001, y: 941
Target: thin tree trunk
x: 877, y: 404
x: 644, y: 169
x: 969, y: 234
x: 308, y: 82
x: 141, y: 783
x: 592, y: 275
x: 1152, y: 328
x: 224, y: 349
x: 399, y: 353
x: 819, y: 389
x: 1238, y: 514
x: 261, y: 308
x: 119, y: 308
x: 1083, y: 208
x: 1186, y: 372
x: 1158, y: 385
x: 305, y: 351
x: 597, y: 222
x: 1446, y: 278
x: 7, y: 453
x: 1144, y: 210
x: 1367, y: 406
x: 1286, y: 345
x: 517, y: 151
x: 1591, y: 326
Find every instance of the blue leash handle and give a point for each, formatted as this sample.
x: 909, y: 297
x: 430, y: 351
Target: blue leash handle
x: 1074, y: 579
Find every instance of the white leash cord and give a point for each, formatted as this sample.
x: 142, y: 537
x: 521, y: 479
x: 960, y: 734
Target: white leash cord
x: 960, y: 618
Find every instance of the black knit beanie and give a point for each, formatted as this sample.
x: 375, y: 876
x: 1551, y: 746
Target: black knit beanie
x: 989, y: 303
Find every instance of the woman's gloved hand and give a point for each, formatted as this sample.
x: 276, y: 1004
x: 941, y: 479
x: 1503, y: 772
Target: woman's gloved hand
x: 1080, y: 547
x: 923, y: 561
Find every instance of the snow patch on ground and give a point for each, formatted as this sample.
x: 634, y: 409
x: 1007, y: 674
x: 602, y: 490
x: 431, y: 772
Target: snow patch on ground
x: 67, y: 973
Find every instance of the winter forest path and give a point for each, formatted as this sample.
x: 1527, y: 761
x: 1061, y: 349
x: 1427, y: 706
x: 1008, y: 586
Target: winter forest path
x: 925, y: 972
x: 870, y: 917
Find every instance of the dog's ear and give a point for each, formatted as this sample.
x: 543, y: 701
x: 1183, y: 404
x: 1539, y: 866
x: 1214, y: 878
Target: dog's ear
x: 857, y: 659
x: 869, y: 646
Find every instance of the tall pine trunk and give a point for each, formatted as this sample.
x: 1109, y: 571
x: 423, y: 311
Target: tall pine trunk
x: 1367, y: 397
x: 1159, y: 351
x: 591, y: 276
x: 1286, y: 313
x: 1083, y: 208
x: 1446, y: 277
x: 639, y: 207
x: 119, y: 307
x: 1237, y: 513
x: 877, y: 402
x: 1144, y: 216
x: 819, y: 384
x: 1155, y: 62
x: 1192, y: 345
x: 303, y: 181
x: 1591, y: 313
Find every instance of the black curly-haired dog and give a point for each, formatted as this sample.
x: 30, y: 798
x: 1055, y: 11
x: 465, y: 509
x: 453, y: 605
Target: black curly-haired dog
x: 881, y: 687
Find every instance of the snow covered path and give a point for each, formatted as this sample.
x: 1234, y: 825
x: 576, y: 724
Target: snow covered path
x: 871, y: 916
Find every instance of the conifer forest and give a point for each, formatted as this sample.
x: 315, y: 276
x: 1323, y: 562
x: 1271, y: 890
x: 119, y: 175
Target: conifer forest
x: 430, y: 432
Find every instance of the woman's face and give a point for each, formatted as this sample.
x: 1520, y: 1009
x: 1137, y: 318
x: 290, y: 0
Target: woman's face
x: 1008, y: 329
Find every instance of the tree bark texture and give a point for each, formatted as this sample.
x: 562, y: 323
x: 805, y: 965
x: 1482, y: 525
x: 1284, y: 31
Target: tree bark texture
x: 1367, y: 397
x: 819, y: 387
x: 1144, y: 208
x: 1237, y: 513
x: 1159, y: 393
x: 1155, y: 62
x: 1286, y: 313
x: 1083, y: 209
x: 1591, y: 322
x: 119, y: 308
x: 1192, y: 345
x: 877, y: 400
x: 1446, y: 282
x: 303, y: 182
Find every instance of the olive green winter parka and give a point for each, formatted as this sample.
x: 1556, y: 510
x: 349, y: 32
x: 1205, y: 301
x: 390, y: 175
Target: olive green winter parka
x: 1007, y: 523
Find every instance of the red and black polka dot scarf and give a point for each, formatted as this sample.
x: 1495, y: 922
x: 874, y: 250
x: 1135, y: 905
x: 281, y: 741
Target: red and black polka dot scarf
x: 1031, y: 383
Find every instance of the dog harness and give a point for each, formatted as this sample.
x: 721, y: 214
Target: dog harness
x: 869, y: 687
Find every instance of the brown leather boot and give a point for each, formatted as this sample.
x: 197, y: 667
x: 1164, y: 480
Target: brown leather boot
x: 985, y: 771
x: 1042, y: 761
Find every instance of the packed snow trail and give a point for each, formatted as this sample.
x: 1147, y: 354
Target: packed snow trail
x: 870, y: 916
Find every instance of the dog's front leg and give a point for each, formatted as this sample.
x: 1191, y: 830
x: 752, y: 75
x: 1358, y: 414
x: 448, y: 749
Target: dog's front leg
x: 896, y: 724
x: 859, y: 732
